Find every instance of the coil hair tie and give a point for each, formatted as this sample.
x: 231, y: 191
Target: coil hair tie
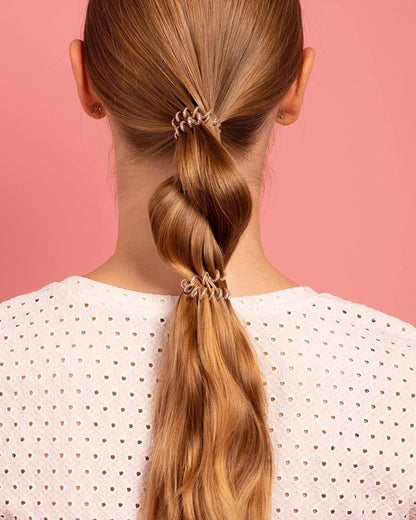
x: 186, y: 118
x: 194, y: 288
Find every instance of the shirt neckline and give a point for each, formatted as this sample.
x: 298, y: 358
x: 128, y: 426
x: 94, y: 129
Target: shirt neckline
x: 103, y: 291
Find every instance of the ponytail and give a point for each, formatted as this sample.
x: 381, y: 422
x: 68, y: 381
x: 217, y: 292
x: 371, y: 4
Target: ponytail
x: 212, y: 455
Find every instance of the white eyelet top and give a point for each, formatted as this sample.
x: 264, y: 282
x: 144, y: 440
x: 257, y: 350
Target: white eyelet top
x: 78, y: 364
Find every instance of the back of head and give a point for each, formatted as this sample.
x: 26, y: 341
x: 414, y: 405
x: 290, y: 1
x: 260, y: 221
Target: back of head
x: 146, y: 60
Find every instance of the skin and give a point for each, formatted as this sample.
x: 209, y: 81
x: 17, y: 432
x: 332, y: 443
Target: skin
x: 135, y: 263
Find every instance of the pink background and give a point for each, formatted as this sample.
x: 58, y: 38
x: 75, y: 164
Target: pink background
x: 339, y: 214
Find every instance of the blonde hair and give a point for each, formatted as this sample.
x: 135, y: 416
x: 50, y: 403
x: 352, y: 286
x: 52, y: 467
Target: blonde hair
x: 146, y: 59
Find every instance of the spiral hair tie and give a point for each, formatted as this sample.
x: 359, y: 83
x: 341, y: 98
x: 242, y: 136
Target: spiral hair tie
x: 201, y: 286
x: 186, y: 118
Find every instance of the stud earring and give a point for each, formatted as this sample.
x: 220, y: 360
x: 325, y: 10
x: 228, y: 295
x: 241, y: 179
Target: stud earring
x: 281, y: 115
x: 97, y: 109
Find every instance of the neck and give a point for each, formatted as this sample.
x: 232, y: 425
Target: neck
x: 136, y: 263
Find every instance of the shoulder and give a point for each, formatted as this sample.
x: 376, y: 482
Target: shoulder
x: 15, y: 311
x: 361, y: 318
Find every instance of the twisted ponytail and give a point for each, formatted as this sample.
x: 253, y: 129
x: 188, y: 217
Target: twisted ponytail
x: 212, y: 456
x: 211, y: 400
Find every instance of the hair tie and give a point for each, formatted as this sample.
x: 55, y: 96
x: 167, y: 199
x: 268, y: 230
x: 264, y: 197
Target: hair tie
x: 186, y: 118
x: 194, y: 288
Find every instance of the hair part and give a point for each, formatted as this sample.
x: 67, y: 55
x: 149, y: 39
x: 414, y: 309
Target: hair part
x: 146, y: 60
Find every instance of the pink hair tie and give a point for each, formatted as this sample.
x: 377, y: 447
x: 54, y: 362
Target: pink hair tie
x: 194, y: 288
x: 185, y: 118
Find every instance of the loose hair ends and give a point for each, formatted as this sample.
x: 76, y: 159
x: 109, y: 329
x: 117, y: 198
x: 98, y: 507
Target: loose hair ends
x: 212, y: 455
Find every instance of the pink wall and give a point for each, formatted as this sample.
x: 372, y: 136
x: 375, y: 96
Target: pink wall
x: 340, y: 213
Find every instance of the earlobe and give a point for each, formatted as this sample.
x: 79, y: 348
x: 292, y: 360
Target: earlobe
x: 292, y: 102
x: 89, y: 101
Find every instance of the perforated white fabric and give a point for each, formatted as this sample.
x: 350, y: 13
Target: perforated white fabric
x: 78, y: 364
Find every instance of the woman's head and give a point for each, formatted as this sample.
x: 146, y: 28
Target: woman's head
x: 244, y: 60
x: 145, y: 60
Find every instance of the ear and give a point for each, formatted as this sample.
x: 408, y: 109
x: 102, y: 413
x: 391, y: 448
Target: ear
x: 291, y: 104
x: 86, y: 93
